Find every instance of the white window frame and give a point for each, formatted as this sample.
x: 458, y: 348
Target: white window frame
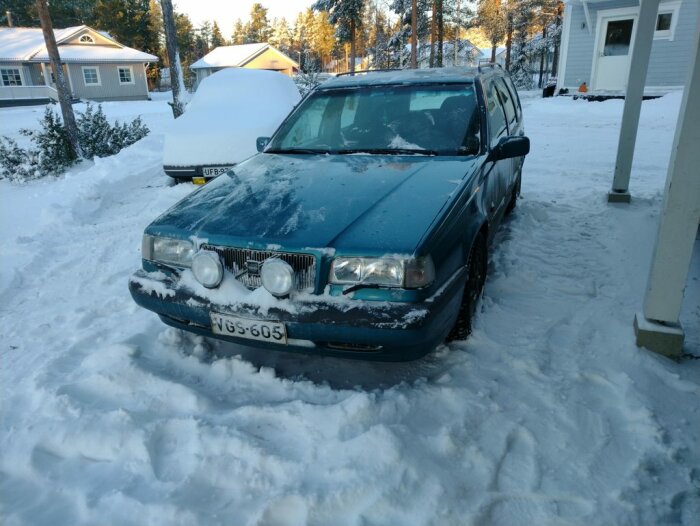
x: 672, y: 8
x: 21, y: 77
x: 86, y: 39
x: 131, y: 75
x: 99, y: 79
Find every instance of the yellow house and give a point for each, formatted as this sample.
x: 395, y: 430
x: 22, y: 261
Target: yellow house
x: 253, y: 56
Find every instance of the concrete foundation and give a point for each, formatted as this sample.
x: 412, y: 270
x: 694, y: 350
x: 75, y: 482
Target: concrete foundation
x: 619, y: 197
x: 662, y: 338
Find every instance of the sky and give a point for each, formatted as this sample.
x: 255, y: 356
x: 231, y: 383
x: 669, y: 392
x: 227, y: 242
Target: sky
x: 225, y: 12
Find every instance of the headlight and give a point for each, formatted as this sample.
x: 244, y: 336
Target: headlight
x: 167, y: 250
x: 207, y: 268
x: 277, y: 277
x: 386, y: 271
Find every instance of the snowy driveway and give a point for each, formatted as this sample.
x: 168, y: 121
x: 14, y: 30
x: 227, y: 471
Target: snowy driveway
x: 548, y: 414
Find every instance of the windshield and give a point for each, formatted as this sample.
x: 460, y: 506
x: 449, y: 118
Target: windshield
x: 417, y: 119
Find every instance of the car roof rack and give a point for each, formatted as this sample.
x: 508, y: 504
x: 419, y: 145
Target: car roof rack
x: 346, y: 73
x: 486, y: 63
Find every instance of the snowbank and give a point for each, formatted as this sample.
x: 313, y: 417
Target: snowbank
x: 548, y: 414
x: 229, y: 110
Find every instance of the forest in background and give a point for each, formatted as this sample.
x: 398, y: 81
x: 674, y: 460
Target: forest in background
x: 334, y: 35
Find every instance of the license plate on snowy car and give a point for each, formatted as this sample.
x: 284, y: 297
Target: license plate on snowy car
x: 267, y: 331
x: 213, y: 171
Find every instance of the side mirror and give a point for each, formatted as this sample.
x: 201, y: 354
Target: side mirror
x: 261, y: 142
x: 509, y: 147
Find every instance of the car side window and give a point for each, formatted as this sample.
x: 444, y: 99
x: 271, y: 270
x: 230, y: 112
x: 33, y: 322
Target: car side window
x: 508, y: 103
x: 496, y: 116
x: 514, y: 95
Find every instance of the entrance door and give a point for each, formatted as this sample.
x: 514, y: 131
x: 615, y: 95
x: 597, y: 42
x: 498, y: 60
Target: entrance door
x: 614, y: 52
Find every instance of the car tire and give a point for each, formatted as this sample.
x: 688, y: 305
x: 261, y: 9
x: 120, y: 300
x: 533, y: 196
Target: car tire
x: 514, y: 196
x: 476, y: 277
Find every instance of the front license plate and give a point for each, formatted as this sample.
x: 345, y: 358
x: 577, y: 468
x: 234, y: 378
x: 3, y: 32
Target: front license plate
x: 267, y: 331
x: 213, y: 171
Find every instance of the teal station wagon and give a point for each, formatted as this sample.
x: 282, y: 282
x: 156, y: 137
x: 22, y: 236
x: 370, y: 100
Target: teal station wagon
x: 360, y: 230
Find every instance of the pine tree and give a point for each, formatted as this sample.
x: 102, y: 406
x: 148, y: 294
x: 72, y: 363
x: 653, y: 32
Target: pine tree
x: 402, y: 34
x: 281, y: 35
x: 346, y: 15
x: 239, y: 33
x: 301, y: 37
x: 127, y: 21
x: 217, y: 39
x: 491, y: 17
x: 259, y: 26
x: 203, y: 38
x: 323, y: 40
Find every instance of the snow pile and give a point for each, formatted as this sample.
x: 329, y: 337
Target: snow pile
x: 548, y: 414
x: 228, y: 112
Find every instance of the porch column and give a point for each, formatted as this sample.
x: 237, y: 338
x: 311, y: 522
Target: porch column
x: 641, y: 50
x: 658, y: 328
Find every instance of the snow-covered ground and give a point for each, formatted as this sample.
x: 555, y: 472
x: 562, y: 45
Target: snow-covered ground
x: 548, y: 414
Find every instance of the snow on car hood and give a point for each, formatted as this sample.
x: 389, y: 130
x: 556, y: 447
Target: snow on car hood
x: 382, y: 203
x: 230, y: 109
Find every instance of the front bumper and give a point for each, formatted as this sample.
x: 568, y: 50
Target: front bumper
x: 371, y: 330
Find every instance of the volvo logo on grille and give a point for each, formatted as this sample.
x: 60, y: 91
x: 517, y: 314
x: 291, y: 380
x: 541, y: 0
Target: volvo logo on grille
x: 253, y: 267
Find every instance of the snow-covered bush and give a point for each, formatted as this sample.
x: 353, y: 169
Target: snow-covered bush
x: 51, y: 154
x: 98, y: 138
x: 16, y: 164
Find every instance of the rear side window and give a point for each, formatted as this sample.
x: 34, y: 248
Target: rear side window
x: 497, y: 118
x: 514, y: 95
x: 508, y: 103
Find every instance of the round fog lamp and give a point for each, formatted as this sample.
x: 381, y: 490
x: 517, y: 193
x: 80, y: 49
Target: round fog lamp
x: 207, y: 269
x: 277, y: 277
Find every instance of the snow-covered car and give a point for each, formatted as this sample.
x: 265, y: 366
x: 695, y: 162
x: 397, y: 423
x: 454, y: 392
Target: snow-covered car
x: 362, y: 228
x: 229, y: 110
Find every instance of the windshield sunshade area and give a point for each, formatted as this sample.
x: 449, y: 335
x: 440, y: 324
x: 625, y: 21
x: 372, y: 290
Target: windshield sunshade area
x: 419, y: 119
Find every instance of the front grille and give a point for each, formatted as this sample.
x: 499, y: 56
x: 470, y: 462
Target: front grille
x: 235, y: 259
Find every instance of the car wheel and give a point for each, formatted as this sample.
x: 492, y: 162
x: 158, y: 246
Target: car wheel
x: 476, y: 277
x: 514, y: 196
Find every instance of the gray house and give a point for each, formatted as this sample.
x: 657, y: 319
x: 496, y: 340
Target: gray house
x: 597, y: 39
x: 97, y: 66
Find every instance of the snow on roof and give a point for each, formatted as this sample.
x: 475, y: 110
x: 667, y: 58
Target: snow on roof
x: 232, y: 56
x: 20, y: 43
x: 27, y: 45
x: 82, y: 53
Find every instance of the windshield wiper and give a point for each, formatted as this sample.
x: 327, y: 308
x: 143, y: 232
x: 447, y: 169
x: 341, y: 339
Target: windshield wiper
x: 299, y: 150
x: 390, y: 151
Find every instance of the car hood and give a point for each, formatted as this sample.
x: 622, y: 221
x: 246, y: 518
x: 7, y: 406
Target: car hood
x: 348, y: 202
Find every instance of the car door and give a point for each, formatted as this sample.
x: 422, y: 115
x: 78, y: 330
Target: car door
x: 514, y: 128
x: 500, y: 171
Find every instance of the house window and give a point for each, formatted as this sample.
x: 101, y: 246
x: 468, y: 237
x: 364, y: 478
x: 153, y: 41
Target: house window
x: 663, y: 22
x: 126, y: 75
x: 666, y: 20
x: 86, y: 39
x: 91, y: 76
x: 11, y: 77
